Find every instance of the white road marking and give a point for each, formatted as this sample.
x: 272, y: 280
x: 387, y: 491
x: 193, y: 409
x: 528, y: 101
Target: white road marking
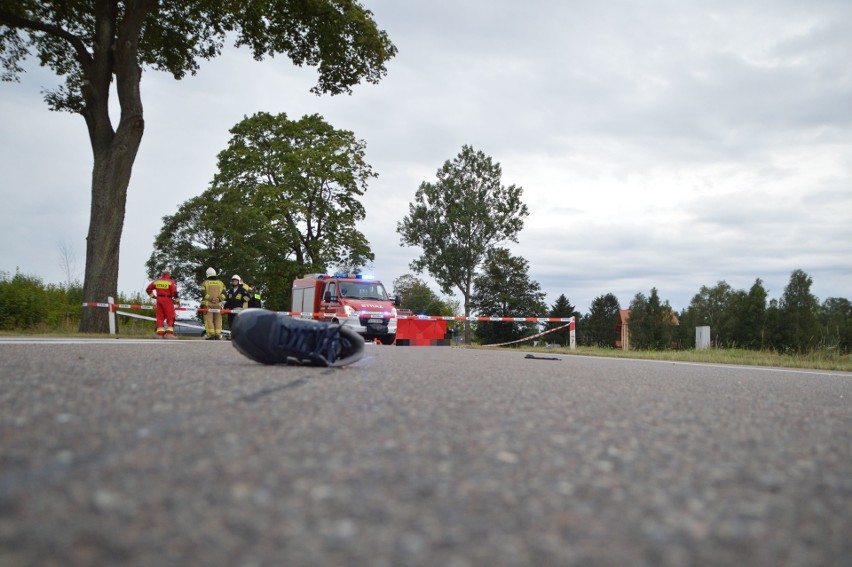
x: 95, y: 341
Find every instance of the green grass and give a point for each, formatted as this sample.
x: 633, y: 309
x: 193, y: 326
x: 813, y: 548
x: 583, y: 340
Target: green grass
x: 817, y: 360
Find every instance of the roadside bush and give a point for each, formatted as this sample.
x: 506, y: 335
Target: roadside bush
x: 22, y: 301
x: 26, y: 303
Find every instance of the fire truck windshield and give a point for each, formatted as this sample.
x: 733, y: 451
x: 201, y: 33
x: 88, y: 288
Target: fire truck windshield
x: 363, y: 290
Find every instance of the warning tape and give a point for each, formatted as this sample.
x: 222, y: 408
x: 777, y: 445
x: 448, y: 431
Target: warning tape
x: 531, y: 337
x: 308, y: 314
x: 499, y: 319
x: 116, y: 306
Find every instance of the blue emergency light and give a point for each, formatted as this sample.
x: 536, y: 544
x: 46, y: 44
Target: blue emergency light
x: 354, y: 276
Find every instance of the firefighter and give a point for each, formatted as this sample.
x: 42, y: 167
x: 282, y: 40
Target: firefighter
x: 213, y: 289
x: 254, y: 295
x: 236, y: 297
x: 164, y: 291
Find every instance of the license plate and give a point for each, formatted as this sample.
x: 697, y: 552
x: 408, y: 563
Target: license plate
x: 378, y: 321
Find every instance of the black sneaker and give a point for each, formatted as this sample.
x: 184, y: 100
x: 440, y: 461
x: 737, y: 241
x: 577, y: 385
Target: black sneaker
x: 274, y: 338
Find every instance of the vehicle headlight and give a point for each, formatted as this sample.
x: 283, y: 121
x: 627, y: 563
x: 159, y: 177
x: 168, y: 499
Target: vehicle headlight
x: 350, y: 312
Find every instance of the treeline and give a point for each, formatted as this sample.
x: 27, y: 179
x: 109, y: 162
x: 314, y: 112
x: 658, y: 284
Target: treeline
x: 795, y: 322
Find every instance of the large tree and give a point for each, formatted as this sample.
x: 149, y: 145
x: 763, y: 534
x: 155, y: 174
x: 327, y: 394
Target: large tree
x: 459, y: 218
x: 651, y: 322
x: 751, y: 318
x: 712, y: 306
x: 601, y: 325
x: 735, y: 317
x: 95, y: 44
x: 800, y: 310
x: 562, y: 309
x: 419, y: 297
x: 284, y: 202
x: 836, y: 318
x: 773, y: 336
x: 504, y: 289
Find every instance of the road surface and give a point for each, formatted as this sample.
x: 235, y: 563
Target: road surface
x: 122, y: 452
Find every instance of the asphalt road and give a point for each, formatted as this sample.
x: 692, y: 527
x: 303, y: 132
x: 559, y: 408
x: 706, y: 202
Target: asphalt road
x: 186, y: 453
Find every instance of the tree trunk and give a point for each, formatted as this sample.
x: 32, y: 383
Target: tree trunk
x: 113, y: 162
x: 114, y: 151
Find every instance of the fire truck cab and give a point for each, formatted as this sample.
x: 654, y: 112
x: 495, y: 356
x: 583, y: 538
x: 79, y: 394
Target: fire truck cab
x: 354, y: 300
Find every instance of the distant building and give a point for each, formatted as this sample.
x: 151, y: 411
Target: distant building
x: 623, y: 330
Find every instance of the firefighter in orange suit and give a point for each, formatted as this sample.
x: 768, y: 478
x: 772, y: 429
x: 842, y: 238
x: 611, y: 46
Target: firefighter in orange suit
x: 164, y: 291
x: 213, y: 289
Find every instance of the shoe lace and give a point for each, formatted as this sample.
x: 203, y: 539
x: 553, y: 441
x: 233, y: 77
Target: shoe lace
x: 320, y: 344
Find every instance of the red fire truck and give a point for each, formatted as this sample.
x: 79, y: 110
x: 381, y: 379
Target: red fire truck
x: 354, y: 300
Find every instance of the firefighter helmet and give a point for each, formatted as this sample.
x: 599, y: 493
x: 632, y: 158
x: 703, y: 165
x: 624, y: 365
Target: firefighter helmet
x: 236, y: 277
x: 211, y: 272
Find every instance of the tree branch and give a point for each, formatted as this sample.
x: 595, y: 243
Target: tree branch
x: 16, y: 21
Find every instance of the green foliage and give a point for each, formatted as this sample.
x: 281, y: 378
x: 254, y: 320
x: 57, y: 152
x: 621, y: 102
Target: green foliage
x: 794, y: 324
x: 800, y: 310
x: 836, y: 319
x: 27, y: 304
x: 651, y: 322
x: 338, y: 37
x: 459, y: 218
x: 284, y: 203
x: 600, y: 327
x: 504, y: 289
x: 712, y: 306
x: 561, y: 309
x: 419, y: 298
x: 101, y: 46
x: 774, y: 328
x: 751, y: 318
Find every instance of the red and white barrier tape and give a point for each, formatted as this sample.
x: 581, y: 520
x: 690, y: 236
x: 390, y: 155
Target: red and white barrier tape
x: 115, y: 306
x: 537, y: 335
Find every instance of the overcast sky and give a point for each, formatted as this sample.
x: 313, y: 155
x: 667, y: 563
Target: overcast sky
x: 659, y: 143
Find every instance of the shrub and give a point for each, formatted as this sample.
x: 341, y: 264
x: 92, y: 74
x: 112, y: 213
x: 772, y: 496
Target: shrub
x: 22, y: 301
x: 26, y: 303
